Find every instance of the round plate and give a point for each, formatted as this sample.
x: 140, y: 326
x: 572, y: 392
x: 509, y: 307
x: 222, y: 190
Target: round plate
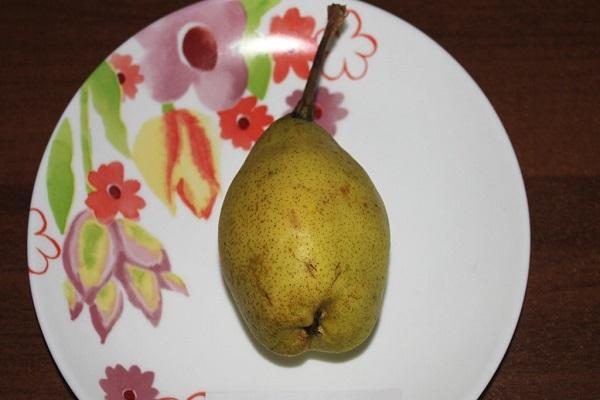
x: 122, y: 244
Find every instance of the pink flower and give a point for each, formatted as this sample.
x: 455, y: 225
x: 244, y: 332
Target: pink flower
x: 352, y: 51
x: 101, y: 261
x: 132, y: 384
x: 113, y: 194
x: 128, y: 74
x: 328, y: 108
x: 197, y: 46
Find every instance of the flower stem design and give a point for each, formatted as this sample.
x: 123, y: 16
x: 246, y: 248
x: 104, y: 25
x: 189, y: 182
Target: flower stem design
x: 86, y: 135
x: 168, y: 107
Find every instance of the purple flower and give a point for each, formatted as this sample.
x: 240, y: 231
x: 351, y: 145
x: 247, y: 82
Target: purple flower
x: 328, y: 108
x: 102, y: 261
x: 197, y: 46
x: 132, y: 384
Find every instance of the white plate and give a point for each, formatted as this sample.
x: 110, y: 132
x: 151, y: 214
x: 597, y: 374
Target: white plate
x: 414, y: 119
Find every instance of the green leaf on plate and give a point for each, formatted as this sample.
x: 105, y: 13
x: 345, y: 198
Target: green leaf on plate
x: 60, y: 181
x: 255, y: 9
x: 259, y: 73
x: 104, y: 87
x: 259, y: 64
x: 86, y: 135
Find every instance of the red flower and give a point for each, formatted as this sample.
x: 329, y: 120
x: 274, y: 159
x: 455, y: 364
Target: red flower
x: 127, y: 73
x: 354, y: 48
x: 244, y: 123
x: 113, y: 194
x: 296, y: 44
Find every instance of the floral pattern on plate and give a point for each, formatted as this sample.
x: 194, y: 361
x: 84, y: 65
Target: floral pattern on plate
x: 196, y: 47
x: 226, y: 55
x: 245, y: 123
x: 104, y: 257
x: 351, y: 57
x: 46, y: 247
x: 133, y: 384
x: 328, y: 107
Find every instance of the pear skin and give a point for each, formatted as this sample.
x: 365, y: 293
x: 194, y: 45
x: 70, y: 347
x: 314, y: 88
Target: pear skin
x: 304, y: 242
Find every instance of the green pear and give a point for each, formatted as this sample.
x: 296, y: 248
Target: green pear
x: 303, y: 234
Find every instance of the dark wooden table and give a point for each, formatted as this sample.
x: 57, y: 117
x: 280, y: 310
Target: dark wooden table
x: 537, y: 61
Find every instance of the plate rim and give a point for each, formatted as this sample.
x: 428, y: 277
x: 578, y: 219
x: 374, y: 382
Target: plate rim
x: 517, y: 305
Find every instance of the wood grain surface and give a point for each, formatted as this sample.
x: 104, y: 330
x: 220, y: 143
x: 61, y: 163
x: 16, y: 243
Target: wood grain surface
x: 537, y: 61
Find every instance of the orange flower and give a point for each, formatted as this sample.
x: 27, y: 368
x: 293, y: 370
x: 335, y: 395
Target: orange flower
x: 298, y: 45
x: 128, y: 74
x: 244, y: 123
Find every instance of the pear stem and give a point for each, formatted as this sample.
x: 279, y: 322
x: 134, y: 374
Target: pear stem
x: 305, y: 108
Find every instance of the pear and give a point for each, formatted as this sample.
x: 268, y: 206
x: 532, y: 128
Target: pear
x: 303, y: 234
